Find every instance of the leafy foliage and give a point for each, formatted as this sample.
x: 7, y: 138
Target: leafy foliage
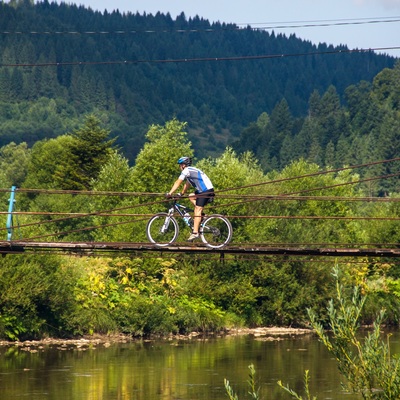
x: 157, y: 161
x: 14, y: 159
x: 366, y: 363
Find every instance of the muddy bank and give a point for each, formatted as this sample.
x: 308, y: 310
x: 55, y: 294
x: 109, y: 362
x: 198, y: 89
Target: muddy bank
x: 267, y: 333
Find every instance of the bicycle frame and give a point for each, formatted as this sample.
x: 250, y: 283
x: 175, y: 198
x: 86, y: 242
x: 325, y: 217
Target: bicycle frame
x: 176, y: 207
x: 179, y: 208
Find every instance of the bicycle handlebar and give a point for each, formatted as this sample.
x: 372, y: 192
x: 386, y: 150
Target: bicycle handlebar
x: 173, y: 196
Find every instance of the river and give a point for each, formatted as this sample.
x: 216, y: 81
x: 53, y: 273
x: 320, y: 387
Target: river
x: 191, y: 369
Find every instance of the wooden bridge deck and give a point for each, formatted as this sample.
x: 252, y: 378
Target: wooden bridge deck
x: 18, y: 247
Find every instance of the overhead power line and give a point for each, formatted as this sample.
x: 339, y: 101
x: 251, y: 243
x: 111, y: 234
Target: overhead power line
x: 320, y: 23
x: 200, y: 59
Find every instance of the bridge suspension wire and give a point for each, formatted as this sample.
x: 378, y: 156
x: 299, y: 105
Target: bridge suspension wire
x: 156, y: 194
x: 195, y: 60
x: 313, y: 174
x: 90, y: 214
x: 319, y: 188
x: 230, y: 197
x: 145, y: 217
x: 135, y: 218
x: 80, y: 230
x: 81, y: 192
x: 111, y: 212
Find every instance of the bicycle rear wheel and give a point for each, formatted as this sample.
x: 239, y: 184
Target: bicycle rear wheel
x: 162, y: 229
x: 216, y: 231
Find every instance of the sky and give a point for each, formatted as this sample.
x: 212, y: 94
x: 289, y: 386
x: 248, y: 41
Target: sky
x: 362, y: 22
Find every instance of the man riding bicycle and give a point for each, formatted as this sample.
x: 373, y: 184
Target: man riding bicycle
x: 203, y: 194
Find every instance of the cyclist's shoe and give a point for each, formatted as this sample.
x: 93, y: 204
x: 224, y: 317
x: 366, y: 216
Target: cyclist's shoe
x: 193, y: 237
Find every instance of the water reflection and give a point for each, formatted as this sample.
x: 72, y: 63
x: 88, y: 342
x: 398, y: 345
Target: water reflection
x: 187, y: 370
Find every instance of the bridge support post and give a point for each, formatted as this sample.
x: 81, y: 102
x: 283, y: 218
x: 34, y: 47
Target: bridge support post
x: 11, y: 202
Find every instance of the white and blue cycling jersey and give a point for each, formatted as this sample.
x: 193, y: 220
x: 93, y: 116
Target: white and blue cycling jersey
x: 197, y: 179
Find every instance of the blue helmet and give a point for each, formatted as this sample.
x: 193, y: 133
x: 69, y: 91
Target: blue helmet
x: 185, y: 160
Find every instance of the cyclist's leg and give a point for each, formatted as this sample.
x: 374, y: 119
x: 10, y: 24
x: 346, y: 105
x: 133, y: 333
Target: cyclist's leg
x: 198, y: 205
x: 196, y: 221
x: 192, y: 198
x: 197, y: 218
x: 200, y: 202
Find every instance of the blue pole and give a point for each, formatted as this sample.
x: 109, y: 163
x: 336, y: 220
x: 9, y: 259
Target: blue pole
x: 10, y: 211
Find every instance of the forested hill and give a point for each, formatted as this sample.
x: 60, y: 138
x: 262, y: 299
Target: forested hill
x: 60, y: 62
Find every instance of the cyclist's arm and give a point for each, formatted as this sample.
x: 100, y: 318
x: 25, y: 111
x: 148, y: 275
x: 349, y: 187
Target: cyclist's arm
x: 177, y: 183
x: 185, y: 187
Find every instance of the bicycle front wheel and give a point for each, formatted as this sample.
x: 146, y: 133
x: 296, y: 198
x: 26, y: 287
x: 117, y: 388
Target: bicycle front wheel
x: 216, y: 231
x: 162, y: 229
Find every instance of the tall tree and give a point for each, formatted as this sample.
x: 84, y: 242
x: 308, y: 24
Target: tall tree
x: 14, y: 163
x: 156, y: 165
x: 89, y: 151
x: 330, y: 116
x: 46, y: 157
x: 281, y: 125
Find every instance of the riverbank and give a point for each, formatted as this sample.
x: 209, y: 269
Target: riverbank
x: 265, y: 333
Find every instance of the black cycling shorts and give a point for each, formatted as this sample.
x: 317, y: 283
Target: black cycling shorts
x: 205, y: 197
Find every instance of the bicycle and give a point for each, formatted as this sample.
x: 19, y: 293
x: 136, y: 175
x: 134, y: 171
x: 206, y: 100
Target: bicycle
x: 163, y: 228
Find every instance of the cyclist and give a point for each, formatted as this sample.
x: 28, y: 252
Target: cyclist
x: 203, y: 194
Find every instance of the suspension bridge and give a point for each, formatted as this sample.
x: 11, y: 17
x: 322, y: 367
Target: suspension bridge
x: 44, y: 231
x: 90, y: 248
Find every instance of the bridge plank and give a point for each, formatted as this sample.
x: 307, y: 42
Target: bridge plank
x: 15, y: 247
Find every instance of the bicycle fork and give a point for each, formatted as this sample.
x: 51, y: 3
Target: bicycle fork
x: 167, y: 221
